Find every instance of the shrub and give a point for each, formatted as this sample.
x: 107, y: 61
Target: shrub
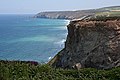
x: 25, y: 71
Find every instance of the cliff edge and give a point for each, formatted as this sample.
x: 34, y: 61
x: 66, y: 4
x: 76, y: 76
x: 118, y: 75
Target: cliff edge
x: 90, y: 44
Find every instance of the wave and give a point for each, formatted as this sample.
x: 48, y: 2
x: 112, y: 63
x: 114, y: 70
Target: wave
x: 59, y: 28
x: 61, y: 42
x: 49, y: 58
x: 67, y: 22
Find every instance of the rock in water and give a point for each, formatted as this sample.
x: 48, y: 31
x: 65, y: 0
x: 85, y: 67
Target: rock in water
x: 90, y: 44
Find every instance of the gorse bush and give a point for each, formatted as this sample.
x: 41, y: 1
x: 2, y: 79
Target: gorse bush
x: 26, y: 71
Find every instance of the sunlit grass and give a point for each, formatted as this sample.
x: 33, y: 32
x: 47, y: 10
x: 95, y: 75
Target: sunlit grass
x: 108, y: 14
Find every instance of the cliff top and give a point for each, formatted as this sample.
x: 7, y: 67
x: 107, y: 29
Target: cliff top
x: 97, y: 18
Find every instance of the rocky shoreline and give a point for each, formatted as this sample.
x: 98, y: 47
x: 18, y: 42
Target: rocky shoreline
x: 90, y: 44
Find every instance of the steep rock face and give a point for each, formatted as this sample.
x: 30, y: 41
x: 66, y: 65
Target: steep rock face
x: 94, y: 44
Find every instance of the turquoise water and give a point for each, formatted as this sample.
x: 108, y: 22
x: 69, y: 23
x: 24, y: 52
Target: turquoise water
x: 25, y: 38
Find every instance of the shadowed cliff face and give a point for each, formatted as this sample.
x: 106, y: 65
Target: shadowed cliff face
x: 93, y: 44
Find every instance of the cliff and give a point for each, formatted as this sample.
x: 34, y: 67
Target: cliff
x: 90, y: 43
x: 65, y: 14
x: 75, y: 14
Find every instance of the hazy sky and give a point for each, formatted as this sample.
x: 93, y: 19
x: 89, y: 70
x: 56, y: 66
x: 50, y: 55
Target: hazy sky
x: 35, y: 6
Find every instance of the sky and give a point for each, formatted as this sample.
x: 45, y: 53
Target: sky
x: 36, y: 6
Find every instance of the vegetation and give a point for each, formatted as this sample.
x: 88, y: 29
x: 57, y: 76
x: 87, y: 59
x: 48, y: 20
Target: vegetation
x: 26, y: 71
x: 109, y: 14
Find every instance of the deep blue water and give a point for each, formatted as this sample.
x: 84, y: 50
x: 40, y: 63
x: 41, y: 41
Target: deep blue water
x: 25, y: 38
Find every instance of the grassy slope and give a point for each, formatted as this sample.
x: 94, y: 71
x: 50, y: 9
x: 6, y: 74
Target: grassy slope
x: 26, y: 71
x: 110, y: 11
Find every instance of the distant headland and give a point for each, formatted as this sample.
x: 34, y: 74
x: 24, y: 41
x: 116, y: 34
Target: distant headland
x: 78, y: 13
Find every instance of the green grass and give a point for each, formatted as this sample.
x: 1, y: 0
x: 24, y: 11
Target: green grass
x: 26, y: 71
x: 111, y: 13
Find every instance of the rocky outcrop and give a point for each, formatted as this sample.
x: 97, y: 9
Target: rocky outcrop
x: 90, y: 44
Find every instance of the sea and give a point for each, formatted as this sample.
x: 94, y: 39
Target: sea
x: 25, y: 38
